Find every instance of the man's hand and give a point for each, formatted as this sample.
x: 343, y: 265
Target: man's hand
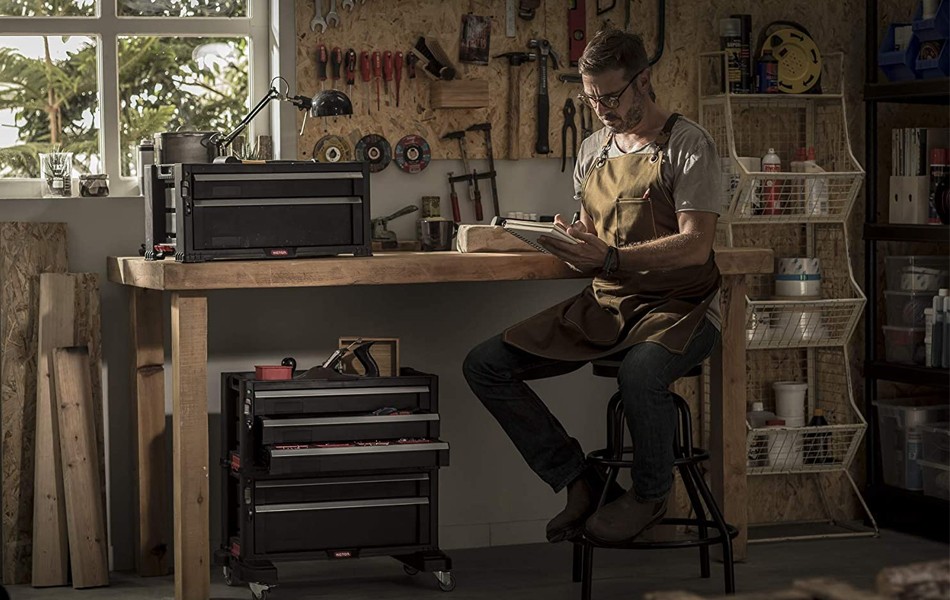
x: 586, y: 256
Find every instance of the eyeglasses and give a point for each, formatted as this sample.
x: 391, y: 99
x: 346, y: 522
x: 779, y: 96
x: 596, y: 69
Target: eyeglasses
x: 608, y: 100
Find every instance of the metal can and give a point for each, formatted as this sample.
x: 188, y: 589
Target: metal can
x: 766, y: 73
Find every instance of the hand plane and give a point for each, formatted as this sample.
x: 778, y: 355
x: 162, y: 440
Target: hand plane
x: 327, y: 370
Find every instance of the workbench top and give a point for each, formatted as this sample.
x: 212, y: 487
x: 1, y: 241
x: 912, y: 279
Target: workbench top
x: 388, y: 268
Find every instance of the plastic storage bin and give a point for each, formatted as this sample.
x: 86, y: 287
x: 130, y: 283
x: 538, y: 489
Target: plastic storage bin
x: 900, y: 421
x: 934, y: 28
x: 898, y: 65
x: 933, y: 63
x: 904, y: 345
x: 936, y: 479
x: 906, y: 309
x: 936, y: 441
x: 916, y: 273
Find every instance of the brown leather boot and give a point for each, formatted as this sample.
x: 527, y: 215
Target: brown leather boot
x: 624, y: 519
x: 582, y: 496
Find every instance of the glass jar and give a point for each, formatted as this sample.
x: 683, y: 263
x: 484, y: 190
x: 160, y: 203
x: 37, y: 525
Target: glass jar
x: 94, y: 186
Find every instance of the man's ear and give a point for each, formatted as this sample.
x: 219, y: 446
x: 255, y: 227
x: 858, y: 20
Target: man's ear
x: 643, y: 80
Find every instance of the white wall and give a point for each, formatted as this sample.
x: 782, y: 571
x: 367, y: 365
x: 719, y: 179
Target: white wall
x: 488, y: 495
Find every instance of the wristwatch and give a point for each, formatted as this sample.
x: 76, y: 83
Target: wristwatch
x: 611, y: 261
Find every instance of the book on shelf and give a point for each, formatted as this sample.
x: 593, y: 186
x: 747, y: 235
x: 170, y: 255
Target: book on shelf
x: 530, y: 231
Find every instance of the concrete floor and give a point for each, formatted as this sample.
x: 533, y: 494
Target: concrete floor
x: 543, y: 571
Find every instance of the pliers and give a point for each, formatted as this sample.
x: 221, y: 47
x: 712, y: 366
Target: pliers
x: 569, y: 113
x: 587, y: 121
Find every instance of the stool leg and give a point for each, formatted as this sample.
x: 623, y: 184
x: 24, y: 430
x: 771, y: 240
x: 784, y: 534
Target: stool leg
x: 588, y: 568
x: 728, y: 565
x: 697, y: 505
x: 576, y: 560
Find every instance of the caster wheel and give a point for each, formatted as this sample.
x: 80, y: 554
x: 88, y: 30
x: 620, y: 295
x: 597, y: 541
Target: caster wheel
x: 259, y: 591
x: 410, y: 571
x: 229, y: 579
x: 446, y: 580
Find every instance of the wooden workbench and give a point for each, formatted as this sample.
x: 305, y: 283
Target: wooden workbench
x: 189, y: 285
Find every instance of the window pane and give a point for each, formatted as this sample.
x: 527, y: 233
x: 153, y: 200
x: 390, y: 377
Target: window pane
x: 179, y: 83
x: 182, y: 8
x: 49, y: 99
x: 47, y: 8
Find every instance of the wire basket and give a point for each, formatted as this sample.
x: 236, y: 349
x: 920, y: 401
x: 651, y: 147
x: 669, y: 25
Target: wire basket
x: 806, y: 449
x: 746, y: 126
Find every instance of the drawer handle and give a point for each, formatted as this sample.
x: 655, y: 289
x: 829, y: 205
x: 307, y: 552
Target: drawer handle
x: 369, y: 391
x: 338, y: 481
x: 386, y: 502
x: 280, y: 453
x: 317, y: 421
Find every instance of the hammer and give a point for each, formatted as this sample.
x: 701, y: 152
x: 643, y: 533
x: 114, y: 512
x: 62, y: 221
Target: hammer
x: 544, y: 52
x: 515, y: 60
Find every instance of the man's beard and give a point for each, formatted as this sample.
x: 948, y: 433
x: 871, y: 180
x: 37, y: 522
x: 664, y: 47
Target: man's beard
x: 629, y: 120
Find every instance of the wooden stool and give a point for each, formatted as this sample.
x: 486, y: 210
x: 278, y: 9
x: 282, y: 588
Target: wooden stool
x: 708, y: 521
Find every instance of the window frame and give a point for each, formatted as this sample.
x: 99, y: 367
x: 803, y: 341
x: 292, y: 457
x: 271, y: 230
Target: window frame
x: 106, y: 28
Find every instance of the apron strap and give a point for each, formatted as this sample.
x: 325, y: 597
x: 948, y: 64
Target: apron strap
x: 602, y: 158
x: 664, y: 137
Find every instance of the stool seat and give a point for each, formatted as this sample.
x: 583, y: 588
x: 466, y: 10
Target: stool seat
x: 610, y: 367
x: 707, y: 520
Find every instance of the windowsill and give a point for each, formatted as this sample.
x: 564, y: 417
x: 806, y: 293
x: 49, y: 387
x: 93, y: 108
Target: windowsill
x: 65, y: 198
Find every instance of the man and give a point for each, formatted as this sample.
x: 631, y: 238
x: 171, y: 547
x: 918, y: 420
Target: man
x: 648, y: 188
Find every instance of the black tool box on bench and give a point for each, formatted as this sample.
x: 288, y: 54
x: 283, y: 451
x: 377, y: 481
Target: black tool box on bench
x: 330, y: 469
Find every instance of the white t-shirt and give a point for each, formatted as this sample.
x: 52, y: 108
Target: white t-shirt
x: 691, y: 170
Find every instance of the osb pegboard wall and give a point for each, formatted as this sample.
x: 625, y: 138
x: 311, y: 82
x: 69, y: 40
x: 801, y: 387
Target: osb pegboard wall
x: 388, y: 25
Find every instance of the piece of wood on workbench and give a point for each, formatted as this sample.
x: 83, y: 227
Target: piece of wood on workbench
x: 921, y: 581
x: 82, y: 486
x: 148, y: 393
x: 490, y: 238
x: 26, y: 250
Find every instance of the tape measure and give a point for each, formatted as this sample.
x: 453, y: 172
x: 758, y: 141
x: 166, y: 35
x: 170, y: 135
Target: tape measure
x: 375, y: 150
x: 332, y: 149
x: 412, y: 154
x: 799, y: 60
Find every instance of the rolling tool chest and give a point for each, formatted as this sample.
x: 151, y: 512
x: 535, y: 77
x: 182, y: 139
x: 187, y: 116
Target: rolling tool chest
x: 330, y: 469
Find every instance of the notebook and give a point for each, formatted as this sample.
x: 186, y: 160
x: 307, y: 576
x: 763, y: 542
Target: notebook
x: 530, y: 231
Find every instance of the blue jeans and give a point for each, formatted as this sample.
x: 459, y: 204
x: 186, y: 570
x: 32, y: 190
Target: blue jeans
x: 497, y: 373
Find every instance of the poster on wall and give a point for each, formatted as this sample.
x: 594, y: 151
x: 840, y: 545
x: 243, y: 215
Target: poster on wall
x: 475, y: 39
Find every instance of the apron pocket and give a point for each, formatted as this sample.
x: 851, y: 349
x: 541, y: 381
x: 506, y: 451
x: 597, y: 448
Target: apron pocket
x: 634, y: 220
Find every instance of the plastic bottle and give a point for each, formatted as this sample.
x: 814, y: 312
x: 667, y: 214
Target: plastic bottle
x: 816, y: 190
x: 759, y: 444
x: 799, y: 191
x: 936, y: 336
x: 817, y: 446
x: 771, y: 191
x: 758, y: 416
x: 730, y: 42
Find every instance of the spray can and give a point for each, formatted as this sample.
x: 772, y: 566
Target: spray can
x: 771, y: 190
x: 730, y: 42
x: 766, y: 73
x: 745, y: 52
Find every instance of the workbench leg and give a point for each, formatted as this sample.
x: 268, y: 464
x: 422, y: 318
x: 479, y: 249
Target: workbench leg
x: 148, y: 397
x: 190, y: 442
x: 728, y: 411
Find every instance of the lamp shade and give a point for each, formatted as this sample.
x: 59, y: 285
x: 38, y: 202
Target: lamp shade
x: 331, y: 103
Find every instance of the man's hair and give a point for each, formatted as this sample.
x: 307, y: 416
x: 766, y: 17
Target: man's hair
x: 614, y: 49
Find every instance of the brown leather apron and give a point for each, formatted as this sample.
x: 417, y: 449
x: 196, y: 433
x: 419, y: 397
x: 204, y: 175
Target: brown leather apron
x: 628, y: 203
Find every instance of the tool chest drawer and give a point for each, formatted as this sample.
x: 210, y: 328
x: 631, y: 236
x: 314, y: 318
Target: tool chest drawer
x: 320, y: 489
x: 410, y: 391
x: 340, y: 524
x: 305, y: 430
x: 322, y: 458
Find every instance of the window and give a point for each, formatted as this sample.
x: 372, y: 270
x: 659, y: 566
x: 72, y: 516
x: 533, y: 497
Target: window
x: 103, y: 74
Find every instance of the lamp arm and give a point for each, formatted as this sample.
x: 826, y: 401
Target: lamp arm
x: 222, y: 143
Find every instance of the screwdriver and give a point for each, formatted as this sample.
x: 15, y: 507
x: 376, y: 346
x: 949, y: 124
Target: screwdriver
x: 411, y: 60
x: 322, y: 58
x: 365, y: 74
x: 349, y: 67
x: 398, y: 66
x: 377, y: 68
x: 336, y: 60
x: 387, y: 71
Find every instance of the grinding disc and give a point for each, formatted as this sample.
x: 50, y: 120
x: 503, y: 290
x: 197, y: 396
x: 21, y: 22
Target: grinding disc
x: 332, y: 148
x: 799, y: 61
x: 412, y: 154
x: 375, y: 150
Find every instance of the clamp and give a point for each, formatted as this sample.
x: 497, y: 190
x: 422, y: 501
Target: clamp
x: 569, y: 113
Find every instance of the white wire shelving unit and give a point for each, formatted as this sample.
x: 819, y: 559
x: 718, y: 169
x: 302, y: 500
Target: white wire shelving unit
x: 802, y: 338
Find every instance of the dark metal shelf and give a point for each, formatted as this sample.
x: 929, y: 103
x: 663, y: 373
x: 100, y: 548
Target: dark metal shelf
x: 910, y: 512
x: 907, y: 374
x: 920, y: 91
x: 907, y: 233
